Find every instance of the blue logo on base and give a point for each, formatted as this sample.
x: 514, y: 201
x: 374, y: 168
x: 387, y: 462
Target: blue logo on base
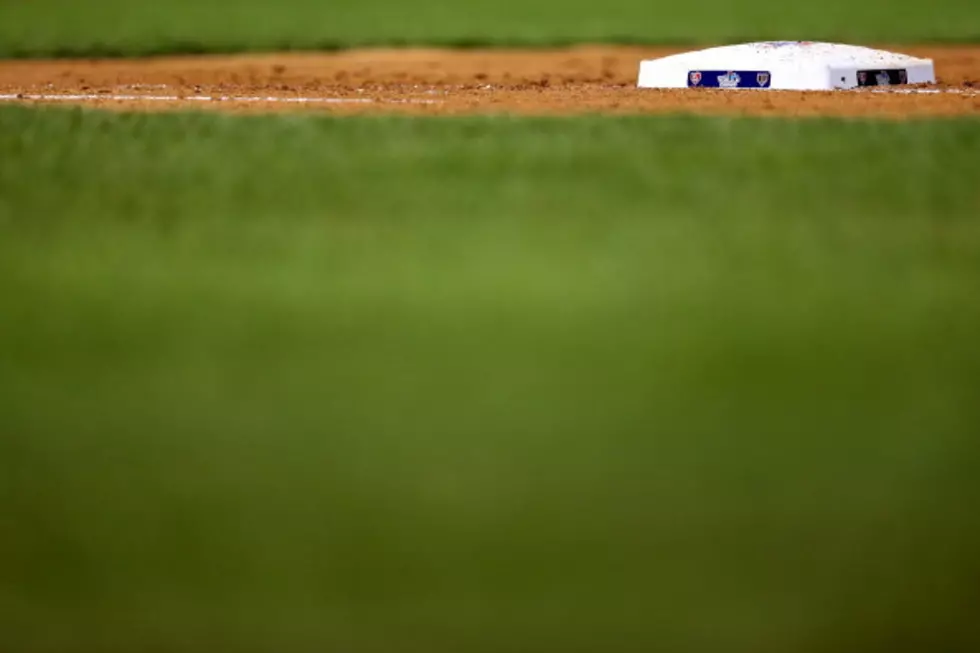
x: 729, y: 79
x: 882, y: 77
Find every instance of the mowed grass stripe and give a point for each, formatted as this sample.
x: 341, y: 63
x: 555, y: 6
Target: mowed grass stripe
x: 123, y: 28
x: 283, y: 383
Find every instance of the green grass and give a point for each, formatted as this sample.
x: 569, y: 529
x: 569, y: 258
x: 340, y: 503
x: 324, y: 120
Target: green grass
x: 125, y: 27
x: 632, y: 384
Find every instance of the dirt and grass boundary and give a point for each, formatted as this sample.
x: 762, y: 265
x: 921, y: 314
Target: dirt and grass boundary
x: 435, y: 81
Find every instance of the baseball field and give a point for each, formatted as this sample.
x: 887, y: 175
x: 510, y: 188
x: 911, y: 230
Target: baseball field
x: 382, y: 327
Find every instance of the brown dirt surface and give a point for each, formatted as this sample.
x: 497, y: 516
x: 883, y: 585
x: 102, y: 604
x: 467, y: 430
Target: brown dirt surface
x: 587, y: 79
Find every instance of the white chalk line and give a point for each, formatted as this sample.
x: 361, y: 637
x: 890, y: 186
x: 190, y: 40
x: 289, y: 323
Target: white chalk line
x: 272, y: 99
x: 929, y: 91
x: 86, y: 97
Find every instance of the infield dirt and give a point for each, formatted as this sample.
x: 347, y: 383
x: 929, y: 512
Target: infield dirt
x: 587, y: 79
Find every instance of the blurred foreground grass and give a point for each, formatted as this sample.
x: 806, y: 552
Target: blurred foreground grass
x: 125, y: 27
x: 487, y: 384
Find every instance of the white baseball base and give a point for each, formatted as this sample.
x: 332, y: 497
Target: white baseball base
x: 786, y: 65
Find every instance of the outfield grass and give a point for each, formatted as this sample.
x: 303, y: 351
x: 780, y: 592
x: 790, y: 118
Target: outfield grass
x: 118, y: 27
x: 384, y: 384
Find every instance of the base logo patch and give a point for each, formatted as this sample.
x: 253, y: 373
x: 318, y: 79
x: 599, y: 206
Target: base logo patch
x: 882, y: 77
x: 729, y: 79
